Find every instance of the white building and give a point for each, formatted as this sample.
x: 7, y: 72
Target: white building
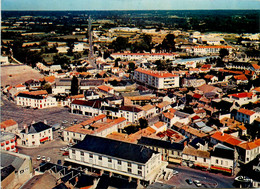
x: 36, y: 134
x: 89, y: 108
x: 248, y: 150
x: 222, y: 159
x: 207, y: 50
x: 131, y: 113
x: 9, y: 126
x: 116, y: 157
x: 196, y: 158
x: 243, y: 98
x: 156, y: 79
x: 36, y: 99
x: 98, y: 126
x: 246, y: 116
x: 8, y: 141
x: 146, y: 56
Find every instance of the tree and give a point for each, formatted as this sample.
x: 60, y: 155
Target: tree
x: 74, y: 86
x: 62, y: 60
x: 168, y: 43
x: 47, y: 87
x: 143, y: 123
x: 121, y: 43
x: 223, y: 53
x: 131, y: 66
x: 116, y: 62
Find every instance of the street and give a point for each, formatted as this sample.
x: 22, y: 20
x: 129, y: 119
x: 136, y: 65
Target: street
x: 207, y: 179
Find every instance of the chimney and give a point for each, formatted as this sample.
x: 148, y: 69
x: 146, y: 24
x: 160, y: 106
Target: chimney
x: 26, y: 130
x: 222, y: 134
x: 24, y: 126
x: 45, y: 121
x: 33, y: 122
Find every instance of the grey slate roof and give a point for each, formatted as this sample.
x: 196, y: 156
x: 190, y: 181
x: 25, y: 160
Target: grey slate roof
x: 37, y: 127
x: 160, y: 143
x: 114, y: 148
x: 6, y: 171
x: 8, y: 159
x: 222, y: 151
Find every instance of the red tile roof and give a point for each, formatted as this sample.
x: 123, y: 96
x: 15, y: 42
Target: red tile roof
x: 146, y: 54
x: 240, y: 77
x: 250, y: 145
x: 246, y: 112
x: 242, y: 95
x: 105, y: 88
x: 223, y: 137
x: 257, y: 67
x: 159, y: 74
x: 159, y: 124
x: 19, y: 85
x: 8, y: 123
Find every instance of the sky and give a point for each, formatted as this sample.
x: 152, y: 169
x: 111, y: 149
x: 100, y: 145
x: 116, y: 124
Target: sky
x: 128, y: 4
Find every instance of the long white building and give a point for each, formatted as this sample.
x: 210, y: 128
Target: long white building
x: 116, y: 157
x: 147, y: 56
x: 156, y: 79
x: 207, y: 50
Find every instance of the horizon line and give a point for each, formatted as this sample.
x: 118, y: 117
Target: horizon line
x: 134, y: 10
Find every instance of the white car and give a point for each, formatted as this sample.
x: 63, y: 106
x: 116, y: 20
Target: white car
x: 197, y: 183
x: 63, y: 149
x: 48, y: 159
x: 38, y: 157
x: 43, y: 158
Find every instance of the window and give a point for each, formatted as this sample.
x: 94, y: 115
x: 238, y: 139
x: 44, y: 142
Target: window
x: 129, y: 164
x: 99, y: 157
x: 49, y: 131
x: 221, y: 162
x: 140, y: 173
x: 109, y: 160
x: 129, y: 170
x: 119, y: 162
x: 82, y: 153
x: 195, y: 157
x: 73, y: 151
x: 216, y: 161
x: 139, y: 167
x: 90, y: 155
x: 204, y: 159
x: 32, y: 136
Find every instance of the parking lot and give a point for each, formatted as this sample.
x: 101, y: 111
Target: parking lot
x: 49, y: 149
x: 9, y: 110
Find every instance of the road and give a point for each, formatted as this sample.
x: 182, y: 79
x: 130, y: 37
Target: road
x: 208, y: 180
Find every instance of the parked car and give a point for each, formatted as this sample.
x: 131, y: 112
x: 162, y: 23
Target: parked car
x: 43, y: 158
x: 48, y: 159
x: 65, y: 154
x: 70, y: 145
x: 174, y: 172
x: 63, y: 149
x: 59, y: 162
x: 197, y: 183
x: 189, y: 181
x: 38, y: 157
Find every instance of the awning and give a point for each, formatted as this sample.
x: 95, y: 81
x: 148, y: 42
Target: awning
x: 44, y: 139
x: 221, y: 169
x: 12, y: 146
x: 174, y: 160
x: 12, y: 140
x: 201, y: 165
x: 7, y: 142
x: 2, y: 144
x: 8, y: 148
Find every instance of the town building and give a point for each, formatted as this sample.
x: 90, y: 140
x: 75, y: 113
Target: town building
x: 147, y: 56
x: 246, y: 116
x: 36, y: 99
x: 36, y: 134
x: 248, y: 150
x: 156, y: 79
x: 195, y: 158
x: 223, y: 159
x: 8, y: 141
x: 98, y: 126
x: 16, y: 169
x: 116, y: 157
x: 9, y: 126
x: 207, y: 50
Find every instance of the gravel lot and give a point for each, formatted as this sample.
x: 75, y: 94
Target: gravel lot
x: 22, y: 116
